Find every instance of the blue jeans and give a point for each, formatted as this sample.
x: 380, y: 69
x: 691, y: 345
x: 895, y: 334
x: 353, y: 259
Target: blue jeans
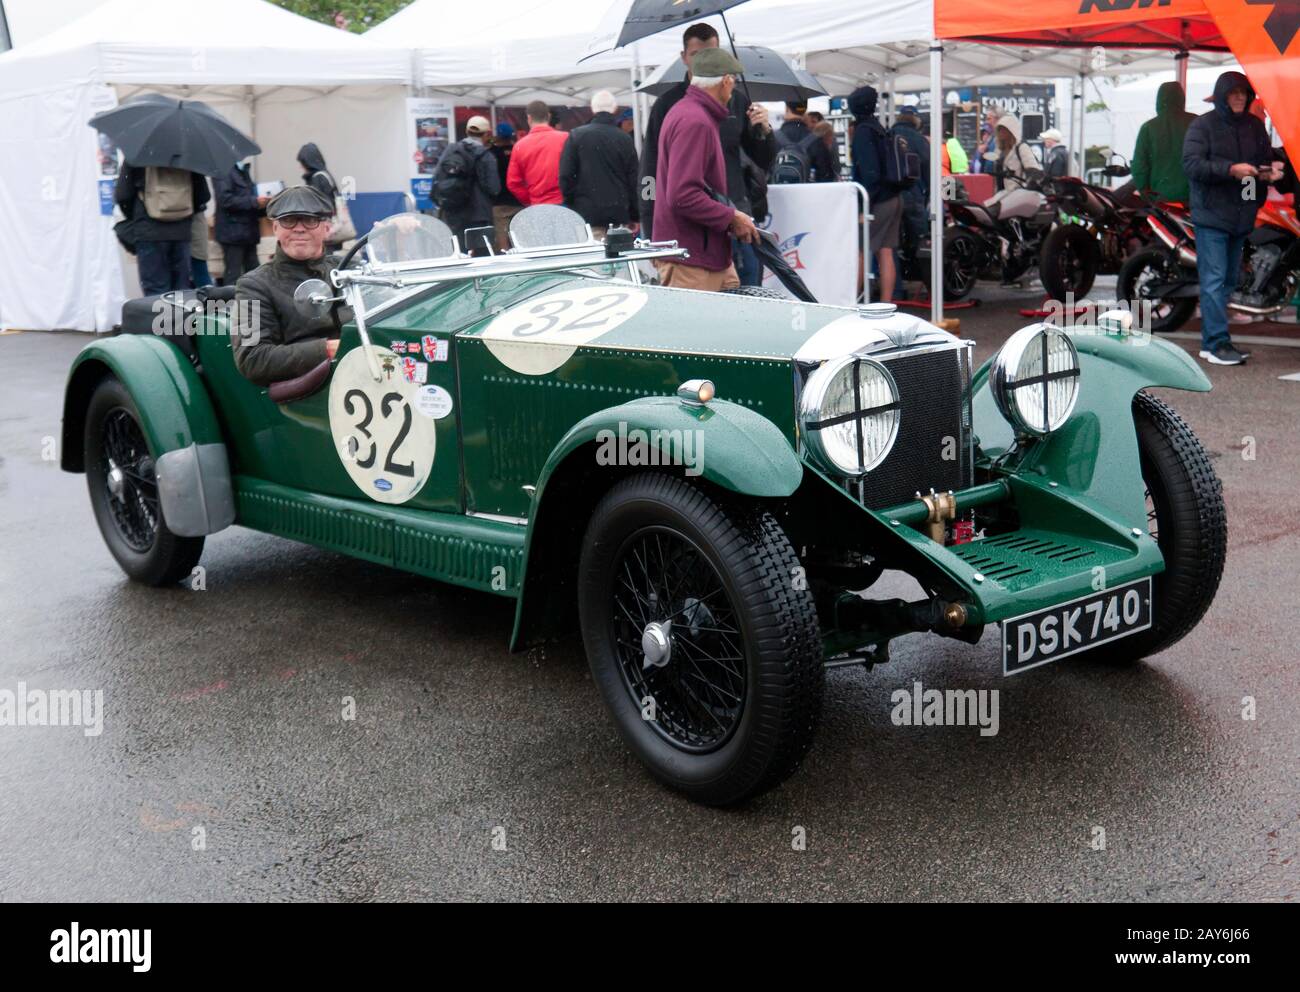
x: 164, y: 265
x: 748, y: 266
x: 1218, y: 259
x: 199, y: 274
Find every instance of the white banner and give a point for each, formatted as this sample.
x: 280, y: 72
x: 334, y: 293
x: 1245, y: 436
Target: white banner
x: 816, y: 225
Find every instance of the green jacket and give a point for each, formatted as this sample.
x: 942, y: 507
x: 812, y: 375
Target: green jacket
x: 1158, y: 157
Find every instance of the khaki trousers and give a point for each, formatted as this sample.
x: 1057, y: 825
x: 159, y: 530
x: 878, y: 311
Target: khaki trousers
x: 679, y: 276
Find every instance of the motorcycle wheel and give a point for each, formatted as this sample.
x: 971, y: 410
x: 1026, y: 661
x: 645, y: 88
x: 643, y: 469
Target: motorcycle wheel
x: 961, y: 263
x: 1068, y: 263
x: 1139, y: 272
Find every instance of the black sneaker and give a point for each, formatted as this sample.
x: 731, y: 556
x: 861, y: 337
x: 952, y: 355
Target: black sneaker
x: 1224, y: 354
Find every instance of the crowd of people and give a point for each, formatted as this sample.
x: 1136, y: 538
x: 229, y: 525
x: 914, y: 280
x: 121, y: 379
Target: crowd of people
x: 701, y: 179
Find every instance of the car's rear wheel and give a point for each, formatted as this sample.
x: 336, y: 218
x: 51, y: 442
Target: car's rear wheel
x: 121, y: 476
x: 1186, y: 516
x: 701, y: 637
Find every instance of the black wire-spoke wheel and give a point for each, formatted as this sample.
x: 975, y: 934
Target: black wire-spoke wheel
x: 1186, y: 517
x: 121, y: 473
x: 678, y: 643
x: 129, y: 481
x: 701, y: 637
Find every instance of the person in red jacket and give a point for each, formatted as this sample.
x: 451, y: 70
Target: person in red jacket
x: 691, y: 173
x: 534, y: 175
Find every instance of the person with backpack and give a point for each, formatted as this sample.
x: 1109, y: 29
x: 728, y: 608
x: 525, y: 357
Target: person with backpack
x: 315, y: 174
x: 465, y: 182
x: 159, y: 204
x: 916, y: 197
x: 801, y: 156
x: 881, y: 166
x: 598, y: 169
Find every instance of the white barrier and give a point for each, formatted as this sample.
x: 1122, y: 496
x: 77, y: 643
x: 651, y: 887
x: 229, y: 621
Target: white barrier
x: 822, y: 230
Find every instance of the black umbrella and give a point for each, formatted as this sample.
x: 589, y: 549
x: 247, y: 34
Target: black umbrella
x: 181, y: 134
x: 647, y: 17
x: 767, y: 75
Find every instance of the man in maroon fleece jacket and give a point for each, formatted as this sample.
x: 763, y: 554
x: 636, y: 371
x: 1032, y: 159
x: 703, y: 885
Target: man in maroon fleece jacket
x: 691, y: 170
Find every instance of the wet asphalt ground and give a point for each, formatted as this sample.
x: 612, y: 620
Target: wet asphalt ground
x: 471, y: 773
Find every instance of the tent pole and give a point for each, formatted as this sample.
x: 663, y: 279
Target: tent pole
x: 1076, y: 121
x: 636, y: 98
x: 936, y: 180
x: 1083, y: 119
x: 1180, y: 68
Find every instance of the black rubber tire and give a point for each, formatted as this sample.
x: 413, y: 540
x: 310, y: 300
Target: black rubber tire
x: 1064, y: 243
x: 170, y: 558
x: 961, y: 249
x: 1179, y: 311
x: 757, y: 292
x: 778, y: 621
x: 1192, y: 530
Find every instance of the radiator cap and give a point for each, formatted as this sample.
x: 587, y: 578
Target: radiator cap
x: 877, y: 311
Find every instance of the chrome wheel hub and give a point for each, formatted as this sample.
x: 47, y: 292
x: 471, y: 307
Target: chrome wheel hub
x: 656, y: 643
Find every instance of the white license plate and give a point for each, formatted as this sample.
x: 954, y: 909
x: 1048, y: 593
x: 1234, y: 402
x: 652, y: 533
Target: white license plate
x: 1036, y: 638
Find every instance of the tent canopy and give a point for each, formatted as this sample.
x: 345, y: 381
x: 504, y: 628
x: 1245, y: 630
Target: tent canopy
x: 247, y: 42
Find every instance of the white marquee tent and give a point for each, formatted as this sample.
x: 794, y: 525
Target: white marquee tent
x: 281, y: 78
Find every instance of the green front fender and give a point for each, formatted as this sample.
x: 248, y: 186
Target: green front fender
x: 731, y: 447
x: 1094, y: 456
x: 175, y: 410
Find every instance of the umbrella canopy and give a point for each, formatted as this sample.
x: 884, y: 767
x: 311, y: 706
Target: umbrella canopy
x: 647, y: 17
x: 180, y: 134
x: 767, y: 75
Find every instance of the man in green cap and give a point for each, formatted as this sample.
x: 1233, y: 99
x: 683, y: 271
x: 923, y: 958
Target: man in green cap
x: 272, y: 341
x: 691, y: 176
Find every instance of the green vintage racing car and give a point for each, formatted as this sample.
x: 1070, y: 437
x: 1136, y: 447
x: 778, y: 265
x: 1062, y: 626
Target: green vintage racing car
x: 706, y: 486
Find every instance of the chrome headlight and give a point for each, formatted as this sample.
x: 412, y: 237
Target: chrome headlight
x: 1035, y: 379
x: 850, y: 411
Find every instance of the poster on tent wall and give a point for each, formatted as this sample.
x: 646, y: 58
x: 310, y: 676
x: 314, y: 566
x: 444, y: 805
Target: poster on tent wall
x: 816, y: 227
x: 429, y: 131
x: 107, y: 156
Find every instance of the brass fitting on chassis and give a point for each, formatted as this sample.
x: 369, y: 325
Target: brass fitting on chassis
x: 941, y: 508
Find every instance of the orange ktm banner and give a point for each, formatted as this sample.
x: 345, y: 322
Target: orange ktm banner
x: 1265, y: 37
x: 1084, y: 23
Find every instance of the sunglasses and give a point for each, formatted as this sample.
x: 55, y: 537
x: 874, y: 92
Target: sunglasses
x: 297, y: 220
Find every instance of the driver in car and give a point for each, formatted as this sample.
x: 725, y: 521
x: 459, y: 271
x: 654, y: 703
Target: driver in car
x: 272, y: 341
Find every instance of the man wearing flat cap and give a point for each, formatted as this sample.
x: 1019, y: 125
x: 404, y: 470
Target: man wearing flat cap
x: 272, y: 341
x: 691, y: 207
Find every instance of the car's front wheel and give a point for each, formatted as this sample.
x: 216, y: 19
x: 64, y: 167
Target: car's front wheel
x: 121, y: 474
x: 1187, y: 518
x: 701, y: 636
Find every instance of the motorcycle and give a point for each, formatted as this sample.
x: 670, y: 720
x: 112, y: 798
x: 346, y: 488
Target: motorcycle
x: 1097, y: 230
x: 994, y: 240
x: 1164, y: 276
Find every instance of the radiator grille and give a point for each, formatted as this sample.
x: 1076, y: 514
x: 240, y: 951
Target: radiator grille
x: 933, y: 448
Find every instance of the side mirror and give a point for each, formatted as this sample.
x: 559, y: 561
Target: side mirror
x: 312, y: 298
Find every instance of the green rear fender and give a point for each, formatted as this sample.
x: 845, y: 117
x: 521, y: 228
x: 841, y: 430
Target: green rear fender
x: 178, y: 420
x: 1094, y: 456
x: 724, y: 443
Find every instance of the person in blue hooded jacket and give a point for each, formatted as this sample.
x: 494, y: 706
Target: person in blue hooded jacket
x: 1227, y: 158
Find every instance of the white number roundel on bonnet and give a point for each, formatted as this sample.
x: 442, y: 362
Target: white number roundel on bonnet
x: 385, y: 445
x: 541, y: 334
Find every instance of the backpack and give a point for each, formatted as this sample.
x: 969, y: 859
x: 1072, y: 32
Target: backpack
x: 793, y: 160
x: 456, y: 177
x: 900, y: 168
x: 168, y: 193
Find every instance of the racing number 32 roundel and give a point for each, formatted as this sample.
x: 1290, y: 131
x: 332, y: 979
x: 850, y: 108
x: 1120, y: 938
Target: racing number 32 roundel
x: 541, y: 334
x: 383, y: 434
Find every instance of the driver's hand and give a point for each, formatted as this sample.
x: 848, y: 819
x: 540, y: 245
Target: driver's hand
x: 331, y: 348
x: 403, y: 222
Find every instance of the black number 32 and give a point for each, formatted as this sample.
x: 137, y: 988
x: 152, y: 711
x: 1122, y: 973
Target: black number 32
x: 386, y: 410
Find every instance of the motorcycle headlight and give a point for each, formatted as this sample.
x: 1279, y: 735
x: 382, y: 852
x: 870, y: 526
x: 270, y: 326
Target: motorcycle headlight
x: 1035, y: 379
x: 850, y: 412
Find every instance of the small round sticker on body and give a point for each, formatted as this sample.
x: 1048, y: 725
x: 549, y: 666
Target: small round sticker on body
x: 541, y: 334
x: 433, y: 402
